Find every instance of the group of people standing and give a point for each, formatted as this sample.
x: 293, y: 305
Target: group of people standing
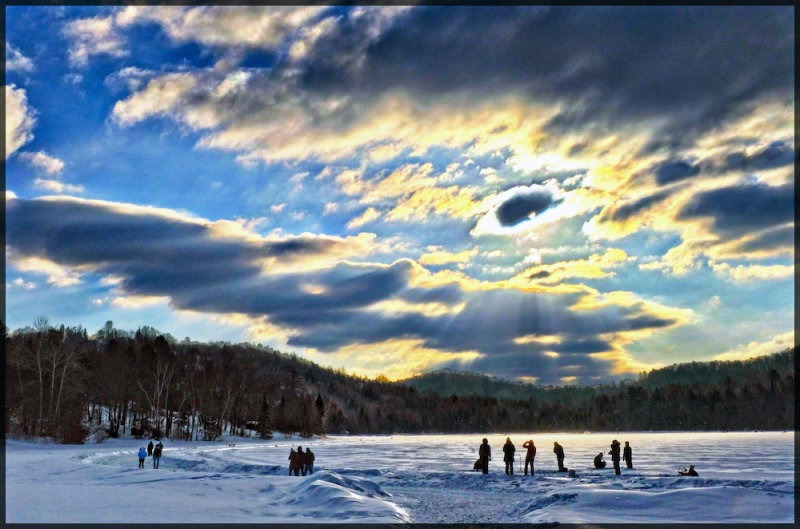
x: 300, y: 461
x: 627, y: 456
x: 485, y: 455
x: 154, y: 451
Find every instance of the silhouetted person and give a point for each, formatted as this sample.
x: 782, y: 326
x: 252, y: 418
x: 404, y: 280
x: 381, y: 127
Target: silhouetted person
x: 598, y: 461
x: 142, y: 455
x: 150, y: 448
x: 308, y: 466
x: 508, y: 456
x: 690, y: 472
x: 478, y: 465
x: 485, y: 455
x: 627, y: 455
x: 559, y: 452
x: 615, y: 456
x: 296, y: 460
x: 530, y: 455
x: 157, y: 454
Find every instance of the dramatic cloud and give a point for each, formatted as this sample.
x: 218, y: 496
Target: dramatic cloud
x: 525, y: 171
x: 200, y: 266
x: 19, y: 119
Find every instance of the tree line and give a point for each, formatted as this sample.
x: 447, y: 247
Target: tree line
x: 65, y: 384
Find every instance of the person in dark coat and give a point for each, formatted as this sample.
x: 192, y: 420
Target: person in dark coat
x: 598, y: 461
x: 150, y: 448
x: 508, y: 456
x: 295, y: 460
x: 627, y: 455
x: 308, y: 462
x: 615, y: 456
x: 690, y: 472
x: 559, y: 452
x: 530, y: 455
x: 485, y: 455
x: 157, y: 454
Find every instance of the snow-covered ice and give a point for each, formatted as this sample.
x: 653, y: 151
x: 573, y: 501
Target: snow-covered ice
x: 745, y: 477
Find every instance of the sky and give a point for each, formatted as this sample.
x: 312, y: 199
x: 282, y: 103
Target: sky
x: 558, y: 195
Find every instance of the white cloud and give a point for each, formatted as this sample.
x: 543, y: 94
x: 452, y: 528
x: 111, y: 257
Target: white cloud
x: 43, y: 161
x: 265, y: 27
x: 16, y: 61
x: 21, y: 283
x: 57, y: 275
x: 94, y: 36
x: 368, y: 216
x: 57, y: 187
x: 778, y: 343
x: 19, y: 119
x: 753, y: 272
x: 277, y: 208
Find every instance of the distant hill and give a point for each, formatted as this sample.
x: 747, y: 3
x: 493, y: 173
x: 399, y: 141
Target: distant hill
x: 448, y: 382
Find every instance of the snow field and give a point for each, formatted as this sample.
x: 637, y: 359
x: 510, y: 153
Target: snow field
x: 744, y: 477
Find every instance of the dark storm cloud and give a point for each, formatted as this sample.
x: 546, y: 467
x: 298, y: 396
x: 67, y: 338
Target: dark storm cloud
x: 614, y: 63
x: 743, y: 208
x: 629, y: 209
x: 772, y: 239
x: 669, y: 172
x: 322, y: 308
x: 776, y: 154
x: 519, y: 207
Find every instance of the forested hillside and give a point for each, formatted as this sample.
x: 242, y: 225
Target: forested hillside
x: 63, y: 383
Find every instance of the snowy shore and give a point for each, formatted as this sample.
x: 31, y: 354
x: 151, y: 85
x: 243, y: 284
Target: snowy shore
x: 744, y: 477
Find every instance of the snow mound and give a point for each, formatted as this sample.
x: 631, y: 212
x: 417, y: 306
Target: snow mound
x: 711, y: 504
x: 327, y: 495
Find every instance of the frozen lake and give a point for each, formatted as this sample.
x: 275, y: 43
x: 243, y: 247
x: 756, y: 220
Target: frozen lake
x: 744, y: 477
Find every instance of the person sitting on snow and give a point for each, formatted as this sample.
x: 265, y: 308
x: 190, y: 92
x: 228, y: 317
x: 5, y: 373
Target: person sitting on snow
x: 598, y: 461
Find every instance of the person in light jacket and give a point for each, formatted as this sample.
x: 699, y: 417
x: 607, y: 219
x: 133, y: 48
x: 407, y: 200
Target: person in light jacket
x: 142, y: 456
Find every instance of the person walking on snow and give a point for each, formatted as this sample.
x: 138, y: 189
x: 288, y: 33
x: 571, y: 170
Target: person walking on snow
x: 485, y: 455
x: 150, y: 448
x: 157, y: 454
x: 627, y: 455
x: 508, y: 457
x: 530, y: 455
x: 142, y: 455
x: 559, y: 452
x: 615, y: 456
